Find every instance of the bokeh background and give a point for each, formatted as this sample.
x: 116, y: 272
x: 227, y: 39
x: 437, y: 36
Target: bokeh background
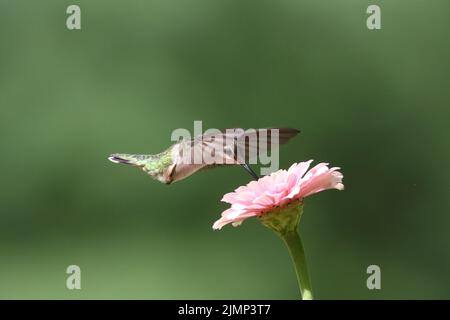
x: 375, y: 103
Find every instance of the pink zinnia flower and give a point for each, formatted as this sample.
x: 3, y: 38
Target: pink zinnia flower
x: 277, y: 190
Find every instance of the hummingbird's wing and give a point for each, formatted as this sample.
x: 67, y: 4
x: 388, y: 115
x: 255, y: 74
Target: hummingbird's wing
x: 226, y: 147
x: 249, y: 144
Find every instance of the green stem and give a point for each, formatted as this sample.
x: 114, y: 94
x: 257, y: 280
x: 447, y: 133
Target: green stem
x: 295, y: 246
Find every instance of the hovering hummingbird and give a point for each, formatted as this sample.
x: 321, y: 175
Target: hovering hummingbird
x: 231, y: 147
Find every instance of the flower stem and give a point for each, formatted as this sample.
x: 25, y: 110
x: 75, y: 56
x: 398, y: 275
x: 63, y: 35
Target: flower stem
x: 295, y: 246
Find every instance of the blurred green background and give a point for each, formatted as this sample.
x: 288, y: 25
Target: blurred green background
x: 375, y: 103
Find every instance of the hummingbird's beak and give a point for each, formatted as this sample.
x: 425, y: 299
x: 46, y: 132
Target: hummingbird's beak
x: 250, y: 170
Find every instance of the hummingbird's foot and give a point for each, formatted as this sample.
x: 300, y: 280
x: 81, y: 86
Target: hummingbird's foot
x: 250, y: 171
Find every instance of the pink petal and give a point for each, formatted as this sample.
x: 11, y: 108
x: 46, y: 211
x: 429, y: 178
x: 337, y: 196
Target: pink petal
x: 278, y: 189
x: 321, y: 180
x: 299, y: 169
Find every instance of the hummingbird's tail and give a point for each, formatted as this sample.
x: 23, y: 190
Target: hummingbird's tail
x: 130, y: 159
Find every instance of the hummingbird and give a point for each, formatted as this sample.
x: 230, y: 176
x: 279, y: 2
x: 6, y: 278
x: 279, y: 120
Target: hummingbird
x: 229, y: 147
